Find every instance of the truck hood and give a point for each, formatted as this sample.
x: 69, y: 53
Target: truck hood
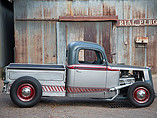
x: 127, y: 67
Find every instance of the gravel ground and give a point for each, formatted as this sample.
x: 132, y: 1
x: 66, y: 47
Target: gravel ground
x: 64, y: 107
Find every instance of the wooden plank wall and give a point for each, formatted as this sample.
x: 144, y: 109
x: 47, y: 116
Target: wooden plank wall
x: 41, y: 38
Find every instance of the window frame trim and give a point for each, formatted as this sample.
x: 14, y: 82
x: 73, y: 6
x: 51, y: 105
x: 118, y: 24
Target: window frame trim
x: 89, y: 48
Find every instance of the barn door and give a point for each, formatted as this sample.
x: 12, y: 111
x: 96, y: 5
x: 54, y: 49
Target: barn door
x: 98, y: 32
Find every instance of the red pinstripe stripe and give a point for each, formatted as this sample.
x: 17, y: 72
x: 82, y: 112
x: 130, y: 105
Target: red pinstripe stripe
x: 78, y: 90
x: 83, y: 90
x: 64, y: 88
x: 68, y: 90
x: 52, y: 88
x: 61, y: 88
x: 74, y: 90
x: 86, y: 89
x: 83, y: 67
x: 98, y: 89
x: 71, y: 90
x: 90, y: 90
x: 46, y: 88
x: 58, y: 88
x: 49, y: 88
x: 93, y: 90
x: 43, y: 88
x: 55, y: 88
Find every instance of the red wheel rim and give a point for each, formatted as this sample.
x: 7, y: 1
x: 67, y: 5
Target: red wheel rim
x: 26, y: 92
x: 141, y: 95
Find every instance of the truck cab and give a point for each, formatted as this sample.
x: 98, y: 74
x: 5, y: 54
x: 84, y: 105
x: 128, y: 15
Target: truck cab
x: 87, y: 71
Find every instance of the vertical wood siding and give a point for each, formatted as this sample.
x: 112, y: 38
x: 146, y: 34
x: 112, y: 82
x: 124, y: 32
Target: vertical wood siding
x: 46, y: 41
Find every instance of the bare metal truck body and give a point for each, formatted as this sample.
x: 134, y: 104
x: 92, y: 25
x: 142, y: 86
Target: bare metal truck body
x: 91, y: 77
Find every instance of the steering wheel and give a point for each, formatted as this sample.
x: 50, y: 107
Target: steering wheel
x: 94, y: 62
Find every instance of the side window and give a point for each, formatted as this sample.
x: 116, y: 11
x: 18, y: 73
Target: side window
x: 90, y: 57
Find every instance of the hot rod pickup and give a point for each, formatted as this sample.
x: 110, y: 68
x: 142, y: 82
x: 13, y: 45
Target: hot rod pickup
x: 87, y: 74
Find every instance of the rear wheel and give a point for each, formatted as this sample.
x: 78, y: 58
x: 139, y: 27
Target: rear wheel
x: 141, y: 94
x: 26, y: 92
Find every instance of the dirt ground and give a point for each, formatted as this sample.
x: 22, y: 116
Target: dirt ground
x: 63, y: 107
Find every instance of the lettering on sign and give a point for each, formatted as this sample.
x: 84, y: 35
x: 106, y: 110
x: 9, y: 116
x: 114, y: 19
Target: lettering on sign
x: 141, y: 40
x: 141, y: 22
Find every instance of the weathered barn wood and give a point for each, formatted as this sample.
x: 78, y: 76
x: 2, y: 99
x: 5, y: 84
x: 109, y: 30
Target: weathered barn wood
x: 98, y: 32
x: 43, y: 28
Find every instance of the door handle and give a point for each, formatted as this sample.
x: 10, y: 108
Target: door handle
x: 78, y: 71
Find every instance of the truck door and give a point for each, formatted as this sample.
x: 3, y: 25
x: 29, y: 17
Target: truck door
x: 89, y: 75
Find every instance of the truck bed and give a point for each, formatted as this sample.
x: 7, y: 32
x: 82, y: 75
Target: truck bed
x: 51, y: 77
x: 36, y: 66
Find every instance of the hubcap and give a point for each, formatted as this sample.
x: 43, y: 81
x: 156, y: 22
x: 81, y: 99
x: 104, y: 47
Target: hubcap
x: 26, y: 92
x: 141, y: 95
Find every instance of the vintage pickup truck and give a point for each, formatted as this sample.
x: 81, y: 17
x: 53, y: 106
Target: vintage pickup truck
x: 88, y: 74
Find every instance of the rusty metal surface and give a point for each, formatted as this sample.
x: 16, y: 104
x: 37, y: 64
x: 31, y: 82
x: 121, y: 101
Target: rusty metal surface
x: 53, y: 9
x: 6, y: 33
x: 35, y: 19
x: 127, y: 52
x: 88, y: 18
x: 98, y: 32
x: 35, y: 42
x: 119, y: 40
x: 152, y: 48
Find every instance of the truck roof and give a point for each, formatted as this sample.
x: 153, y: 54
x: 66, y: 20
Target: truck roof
x: 77, y: 45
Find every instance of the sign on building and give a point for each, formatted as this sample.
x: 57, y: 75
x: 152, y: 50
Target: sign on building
x: 139, y: 22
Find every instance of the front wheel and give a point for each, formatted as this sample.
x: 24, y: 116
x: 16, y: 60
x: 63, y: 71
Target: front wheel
x: 26, y: 92
x: 141, y: 94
